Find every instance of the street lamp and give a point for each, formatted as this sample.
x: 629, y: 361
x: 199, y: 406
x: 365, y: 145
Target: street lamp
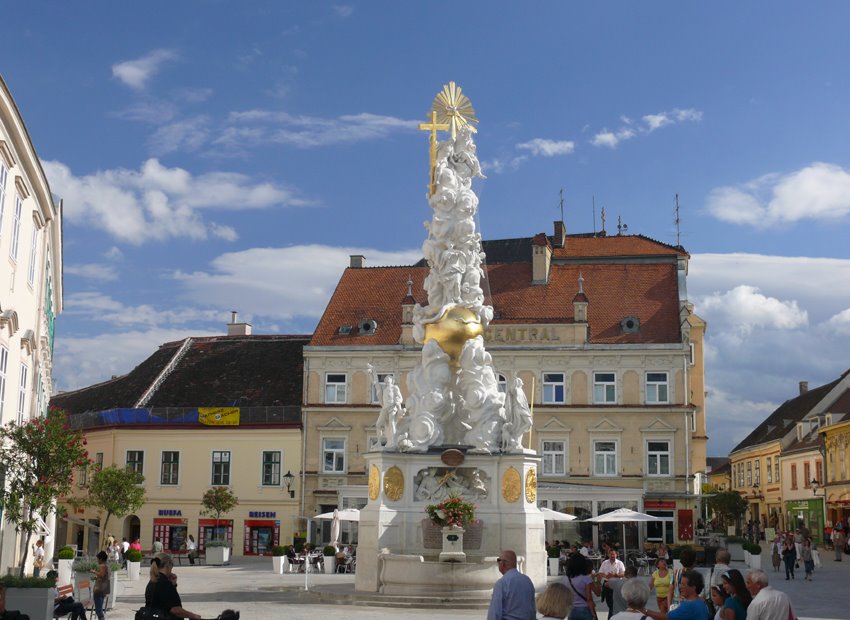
x: 757, y: 494
x: 287, y: 480
x: 815, y: 484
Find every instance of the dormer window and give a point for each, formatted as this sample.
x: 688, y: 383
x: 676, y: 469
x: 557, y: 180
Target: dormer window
x: 630, y: 325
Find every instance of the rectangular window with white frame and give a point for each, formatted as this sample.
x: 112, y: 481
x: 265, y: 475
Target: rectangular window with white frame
x: 33, y: 255
x: 604, y: 388
x: 333, y: 455
x: 769, y: 470
x: 604, y: 458
x: 335, y: 387
x: 757, y: 478
x: 4, y: 364
x: 221, y: 468
x: 554, y: 453
x: 136, y: 461
x: 382, y: 376
x: 749, y: 473
x: 657, y: 388
x: 271, y: 468
x: 22, y: 394
x: 170, y: 470
x: 658, y: 457
x: 16, y: 228
x: 4, y: 179
x: 554, y: 388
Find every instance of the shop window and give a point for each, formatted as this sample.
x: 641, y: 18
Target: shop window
x: 553, y: 387
x: 335, y: 388
x: 220, y: 468
x: 658, y: 458
x: 333, y: 455
x: 210, y: 529
x: 604, y: 458
x: 657, y: 388
x: 554, y: 458
x: 172, y: 533
x: 660, y: 531
x: 271, y: 468
x: 260, y: 537
x: 170, y: 470
x: 136, y: 461
x: 604, y: 388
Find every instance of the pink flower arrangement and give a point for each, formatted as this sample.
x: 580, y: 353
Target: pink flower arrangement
x: 454, y: 511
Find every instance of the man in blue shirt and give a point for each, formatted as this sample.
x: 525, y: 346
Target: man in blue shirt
x: 513, y: 594
x: 692, y: 606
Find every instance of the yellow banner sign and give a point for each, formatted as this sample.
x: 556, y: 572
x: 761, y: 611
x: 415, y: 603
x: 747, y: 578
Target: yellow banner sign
x: 219, y: 416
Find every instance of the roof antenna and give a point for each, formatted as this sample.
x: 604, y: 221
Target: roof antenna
x: 593, y: 199
x: 603, y: 221
x: 562, y: 204
x: 621, y: 228
x: 678, y: 222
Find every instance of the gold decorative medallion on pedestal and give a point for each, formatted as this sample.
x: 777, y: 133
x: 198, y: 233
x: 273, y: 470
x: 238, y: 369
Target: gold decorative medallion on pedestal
x: 374, y: 482
x: 393, y: 484
x: 531, y: 486
x: 511, y: 482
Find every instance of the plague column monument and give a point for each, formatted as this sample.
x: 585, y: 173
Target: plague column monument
x: 456, y: 435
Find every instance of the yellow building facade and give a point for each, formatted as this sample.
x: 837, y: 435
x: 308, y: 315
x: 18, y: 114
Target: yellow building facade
x: 836, y: 441
x: 616, y: 379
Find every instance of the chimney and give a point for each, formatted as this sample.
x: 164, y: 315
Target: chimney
x: 541, y: 259
x: 804, y: 387
x: 237, y: 329
x: 560, y: 234
x: 358, y: 261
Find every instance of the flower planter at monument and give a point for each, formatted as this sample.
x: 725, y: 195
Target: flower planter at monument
x: 432, y: 535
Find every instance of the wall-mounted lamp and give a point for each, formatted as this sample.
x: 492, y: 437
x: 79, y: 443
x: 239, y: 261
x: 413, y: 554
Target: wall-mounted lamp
x: 287, y: 480
x: 757, y: 494
x: 815, y: 484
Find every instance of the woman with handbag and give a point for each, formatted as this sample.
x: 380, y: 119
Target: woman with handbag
x: 37, y: 558
x: 583, y: 585
x: 101, y: 584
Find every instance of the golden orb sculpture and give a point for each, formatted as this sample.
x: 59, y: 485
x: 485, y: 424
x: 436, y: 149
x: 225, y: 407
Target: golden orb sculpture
x: 457, y: 325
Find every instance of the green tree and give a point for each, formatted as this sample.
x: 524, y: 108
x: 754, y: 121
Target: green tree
x: 38, y: 458
x: 728, y: 506
x: 117, y: 491
x: 218, y: 501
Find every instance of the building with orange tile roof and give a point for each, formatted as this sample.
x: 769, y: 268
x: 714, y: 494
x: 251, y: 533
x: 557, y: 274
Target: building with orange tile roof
x: 599, y: 329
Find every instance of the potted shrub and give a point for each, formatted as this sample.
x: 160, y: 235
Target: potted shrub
x: 218, y: 501
x: 329, y: 561
x: 755, y: 556
x: 279, y: 559
x: 66, y: 557
x: 134, y: 564
x: 29, y: 595
x: 554, y: 554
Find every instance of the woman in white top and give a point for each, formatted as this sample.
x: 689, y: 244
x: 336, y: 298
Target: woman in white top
x: 37, y: 558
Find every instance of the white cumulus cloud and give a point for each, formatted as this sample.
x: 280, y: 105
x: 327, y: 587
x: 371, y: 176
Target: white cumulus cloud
x: 547, y: 148
x: 136, y: 73
x: 156, y: 203
x: 745, y: 308
x: 820, y: 191
x: 648, y: 123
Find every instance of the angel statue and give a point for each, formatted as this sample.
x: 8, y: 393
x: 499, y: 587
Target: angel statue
x: 517, y: 417
x: 389, y: 395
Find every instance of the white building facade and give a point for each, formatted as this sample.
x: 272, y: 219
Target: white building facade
x: 31, y: 290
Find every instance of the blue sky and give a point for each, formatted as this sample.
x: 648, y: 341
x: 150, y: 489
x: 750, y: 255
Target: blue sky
x: 216, y: 156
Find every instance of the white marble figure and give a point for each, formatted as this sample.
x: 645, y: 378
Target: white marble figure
x: 434, y: 486
x: 453, y: 403
x: 389, y: 395
x: 517, y: 417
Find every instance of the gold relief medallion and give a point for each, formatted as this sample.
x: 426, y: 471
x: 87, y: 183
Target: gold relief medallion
x: 531, y: 486
x: 394, y: 484
x: 374, y: 482
x: 511, y: 482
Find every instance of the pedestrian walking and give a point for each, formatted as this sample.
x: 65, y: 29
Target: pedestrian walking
x: 789, y: 556
x: 513, y: 594
x: 807, y: 558
x: 837, y: 540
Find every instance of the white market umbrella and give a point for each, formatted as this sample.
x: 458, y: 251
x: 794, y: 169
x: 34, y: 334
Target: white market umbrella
x: 335, y: 529
x: 623, y: 515
x: 346, y: 514
x: 554, y: 515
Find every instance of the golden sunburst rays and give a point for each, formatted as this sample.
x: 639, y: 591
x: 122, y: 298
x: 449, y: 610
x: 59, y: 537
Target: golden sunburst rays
x: 453, y: 108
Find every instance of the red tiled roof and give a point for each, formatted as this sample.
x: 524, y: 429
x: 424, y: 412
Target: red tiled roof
x: 646, y: 290
x: 586, y: 246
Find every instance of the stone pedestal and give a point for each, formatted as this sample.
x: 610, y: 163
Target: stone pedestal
x: 390, y: 530
x: 453, y: 545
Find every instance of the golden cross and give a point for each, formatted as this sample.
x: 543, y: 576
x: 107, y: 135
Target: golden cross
x: 433, y: 127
